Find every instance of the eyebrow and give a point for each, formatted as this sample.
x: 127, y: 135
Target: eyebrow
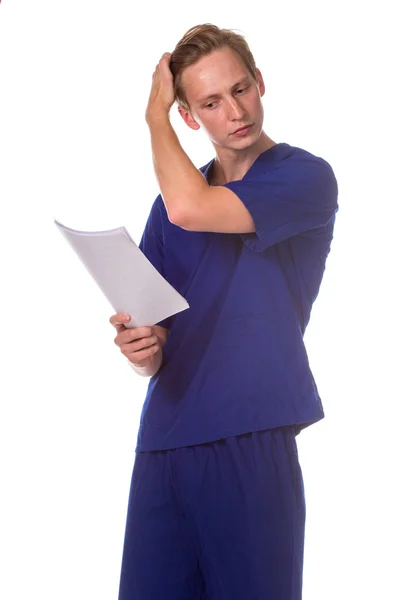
x: 210, y: 96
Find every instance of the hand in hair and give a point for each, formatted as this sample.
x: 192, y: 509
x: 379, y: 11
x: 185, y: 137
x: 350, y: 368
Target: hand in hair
x: 162, y: 94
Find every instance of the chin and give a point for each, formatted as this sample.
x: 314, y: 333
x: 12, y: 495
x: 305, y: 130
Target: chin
x: 244, y: 143
x: 236, y: 143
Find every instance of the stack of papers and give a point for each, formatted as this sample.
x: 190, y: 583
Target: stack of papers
x: 125, y: 276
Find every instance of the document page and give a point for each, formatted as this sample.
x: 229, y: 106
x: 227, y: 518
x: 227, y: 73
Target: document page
x: 125, y: 276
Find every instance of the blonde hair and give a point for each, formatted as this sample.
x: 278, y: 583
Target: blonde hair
x: 200, y: 41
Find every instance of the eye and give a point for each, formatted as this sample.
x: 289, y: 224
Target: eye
x: 241, y: 90
x: 210, y: 105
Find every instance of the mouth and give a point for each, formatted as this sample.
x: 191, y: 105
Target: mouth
x: 243, y: 130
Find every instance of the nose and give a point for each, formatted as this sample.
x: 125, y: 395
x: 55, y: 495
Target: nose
x: 235, y: 110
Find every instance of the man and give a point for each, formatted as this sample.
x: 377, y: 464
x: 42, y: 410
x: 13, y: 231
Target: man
x: 216, y: 508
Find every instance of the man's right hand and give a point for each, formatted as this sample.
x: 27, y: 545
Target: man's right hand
x: 138, y: 344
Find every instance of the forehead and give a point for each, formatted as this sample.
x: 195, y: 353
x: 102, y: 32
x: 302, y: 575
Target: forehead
x: 215, y: 73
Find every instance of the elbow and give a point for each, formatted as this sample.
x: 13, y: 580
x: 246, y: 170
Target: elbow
x: 179, y: 219
x: 189, y: 207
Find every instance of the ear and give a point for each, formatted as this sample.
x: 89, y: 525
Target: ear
x: 260, y: 82
x: 189, y: 120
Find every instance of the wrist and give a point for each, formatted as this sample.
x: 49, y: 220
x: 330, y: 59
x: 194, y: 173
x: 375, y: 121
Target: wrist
x: 158, y: 119
x: 150, y: 366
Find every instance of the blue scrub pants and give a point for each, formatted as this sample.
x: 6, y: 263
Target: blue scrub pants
x: 218, y: 521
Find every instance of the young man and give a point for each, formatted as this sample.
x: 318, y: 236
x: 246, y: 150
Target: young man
x: 216, y: 508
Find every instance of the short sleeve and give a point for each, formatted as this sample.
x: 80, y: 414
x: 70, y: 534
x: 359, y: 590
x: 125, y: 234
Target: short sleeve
x: 152, y: 245
x: 294, y: 197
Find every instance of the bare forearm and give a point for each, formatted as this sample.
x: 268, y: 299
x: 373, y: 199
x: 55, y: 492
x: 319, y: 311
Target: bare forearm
x: 181, y: 183
x: 149, y: 367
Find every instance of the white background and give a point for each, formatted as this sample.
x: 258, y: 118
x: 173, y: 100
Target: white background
x: 75, y: 78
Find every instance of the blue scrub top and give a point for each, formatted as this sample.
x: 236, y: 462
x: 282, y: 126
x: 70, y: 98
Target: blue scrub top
x: 235, y: 361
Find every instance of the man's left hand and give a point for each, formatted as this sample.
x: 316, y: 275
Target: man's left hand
x: 162, y: 94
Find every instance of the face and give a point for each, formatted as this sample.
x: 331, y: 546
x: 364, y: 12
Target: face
x: 223, y: 97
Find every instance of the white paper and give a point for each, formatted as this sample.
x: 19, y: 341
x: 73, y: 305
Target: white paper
x: 125, y: 276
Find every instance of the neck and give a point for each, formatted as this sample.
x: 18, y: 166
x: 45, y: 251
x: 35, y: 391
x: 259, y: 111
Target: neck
x: 231, y: 165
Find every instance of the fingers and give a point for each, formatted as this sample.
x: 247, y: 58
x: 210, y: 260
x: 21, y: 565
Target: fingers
x: 119, y: 320
x: 137, y: 335
x: 138, y: 356
x: 166, y: 57
x: 127, y: 335
x: 139, y: 349
x: 137, y: 343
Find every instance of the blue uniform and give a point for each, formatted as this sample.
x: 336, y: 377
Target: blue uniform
x: 217, y: 521
x: 234, y: 364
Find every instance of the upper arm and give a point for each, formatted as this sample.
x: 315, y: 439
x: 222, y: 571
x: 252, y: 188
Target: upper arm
x: 269, y: 207
x: 218, y: 210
